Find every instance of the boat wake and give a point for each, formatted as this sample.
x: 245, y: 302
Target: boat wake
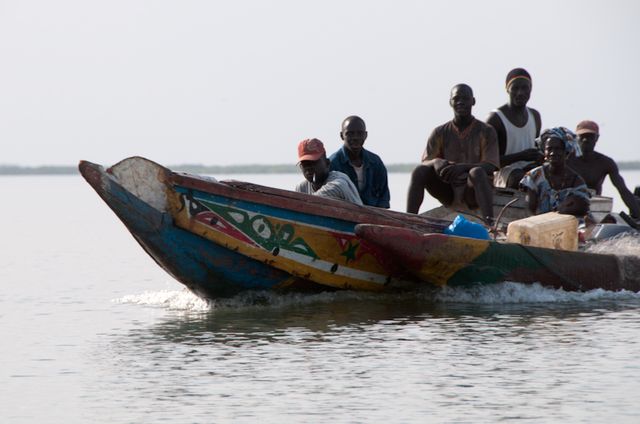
x: 180, y: 300
x: 517, y: 293
x: 184, y: 300
x: 494, y: 294
x: 625, y: 244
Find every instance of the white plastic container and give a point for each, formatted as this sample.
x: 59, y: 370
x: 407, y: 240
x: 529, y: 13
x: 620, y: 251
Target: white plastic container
x: 551, y: 230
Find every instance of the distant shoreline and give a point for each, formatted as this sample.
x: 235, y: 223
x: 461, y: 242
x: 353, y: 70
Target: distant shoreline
x: 14, y: 170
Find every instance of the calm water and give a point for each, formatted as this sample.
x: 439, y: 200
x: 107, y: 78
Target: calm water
x: 93, y: 331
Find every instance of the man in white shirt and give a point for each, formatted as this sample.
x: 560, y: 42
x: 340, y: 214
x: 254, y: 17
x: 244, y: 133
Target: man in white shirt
x: 319, y: 181
x: 517, y: 127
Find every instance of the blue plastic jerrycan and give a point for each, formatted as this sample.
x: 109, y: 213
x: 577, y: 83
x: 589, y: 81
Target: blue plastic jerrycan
x: 465, y: 228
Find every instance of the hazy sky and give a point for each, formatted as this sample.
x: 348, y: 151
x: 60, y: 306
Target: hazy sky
x: 236, y: 82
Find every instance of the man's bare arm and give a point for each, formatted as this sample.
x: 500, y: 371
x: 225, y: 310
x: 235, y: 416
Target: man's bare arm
x: 627, y: 197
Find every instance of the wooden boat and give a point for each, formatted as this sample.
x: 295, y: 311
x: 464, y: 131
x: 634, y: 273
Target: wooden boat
x: 222, y: 238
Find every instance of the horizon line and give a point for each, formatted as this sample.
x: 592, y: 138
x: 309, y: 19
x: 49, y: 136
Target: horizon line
x: 12, y: 169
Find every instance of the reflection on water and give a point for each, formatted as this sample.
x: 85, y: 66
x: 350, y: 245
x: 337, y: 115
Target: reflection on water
x: 264, y: 355
x: 263, y: 314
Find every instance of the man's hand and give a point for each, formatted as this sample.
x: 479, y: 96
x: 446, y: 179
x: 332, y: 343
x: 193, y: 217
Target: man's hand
x: 454, y: 174
x: 439, y: 165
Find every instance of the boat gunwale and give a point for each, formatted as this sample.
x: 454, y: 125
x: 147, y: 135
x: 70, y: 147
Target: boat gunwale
x: 307, y: 203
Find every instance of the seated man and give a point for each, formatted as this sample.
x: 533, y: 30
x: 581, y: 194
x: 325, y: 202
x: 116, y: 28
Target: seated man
x: 459, y: 158
x: 318, y: 179
x: 517, y: 127
x: 554, y: 186
x: 593, y: 167
x: 364, y: 168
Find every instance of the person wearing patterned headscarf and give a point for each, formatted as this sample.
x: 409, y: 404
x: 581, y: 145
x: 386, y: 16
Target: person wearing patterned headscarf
x: 554, y: 186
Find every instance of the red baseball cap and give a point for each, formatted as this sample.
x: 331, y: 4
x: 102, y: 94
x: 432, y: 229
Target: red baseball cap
x: 310, y: 149
x: 586, y: 127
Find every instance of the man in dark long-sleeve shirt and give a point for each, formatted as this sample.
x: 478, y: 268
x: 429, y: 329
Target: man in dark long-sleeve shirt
x: 365, y: 169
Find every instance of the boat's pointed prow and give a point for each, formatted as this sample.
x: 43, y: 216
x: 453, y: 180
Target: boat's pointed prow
x: 85, y: 166
x: 93, y: 173
x: 135, y: 189
x: 141, y: 177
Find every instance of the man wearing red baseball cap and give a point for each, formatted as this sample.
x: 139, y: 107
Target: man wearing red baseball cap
x: 319, y: 180
x: 593, y: 167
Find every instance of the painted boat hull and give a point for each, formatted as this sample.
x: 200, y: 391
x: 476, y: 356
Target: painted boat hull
x: 449, y: 260
x: 210, y: 271
x: 219, y: 239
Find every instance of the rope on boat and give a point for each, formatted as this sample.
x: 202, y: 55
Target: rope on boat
x: 495, y: 225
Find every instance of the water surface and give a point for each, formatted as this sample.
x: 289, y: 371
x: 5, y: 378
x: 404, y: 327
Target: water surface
x: 94, y: 331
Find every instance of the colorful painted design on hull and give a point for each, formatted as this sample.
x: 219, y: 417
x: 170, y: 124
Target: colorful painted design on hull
x: 317, y: 248
x: 209, y: 270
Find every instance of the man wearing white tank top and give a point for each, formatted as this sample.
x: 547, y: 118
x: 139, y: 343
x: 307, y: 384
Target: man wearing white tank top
x: 517, y: 127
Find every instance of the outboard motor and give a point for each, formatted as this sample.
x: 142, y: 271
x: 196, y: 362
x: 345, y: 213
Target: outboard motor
x: 605, y: 231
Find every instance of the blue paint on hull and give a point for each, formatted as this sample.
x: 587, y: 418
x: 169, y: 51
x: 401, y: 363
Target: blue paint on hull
x: 209, y: 270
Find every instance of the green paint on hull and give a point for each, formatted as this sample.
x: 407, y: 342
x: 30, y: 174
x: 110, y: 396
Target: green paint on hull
x: 557, y: 268
x: 499, y: 261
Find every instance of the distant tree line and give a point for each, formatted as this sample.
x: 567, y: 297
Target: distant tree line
x: 37, y: 170
x: 629, y: 165
x: 220, y: 170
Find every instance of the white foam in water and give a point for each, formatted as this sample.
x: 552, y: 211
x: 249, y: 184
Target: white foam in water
x: 184, y: 300
x: 512, y: 292
x: 171, y: 299
x: 488, y: 294
x: 622, y: 244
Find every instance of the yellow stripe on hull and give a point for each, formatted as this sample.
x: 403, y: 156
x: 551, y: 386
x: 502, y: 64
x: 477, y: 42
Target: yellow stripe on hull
x: 438, y: 266
x: 336, y: 263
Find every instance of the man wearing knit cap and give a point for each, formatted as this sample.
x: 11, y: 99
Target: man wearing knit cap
x: 517, y: 127
x: 593, y: 167
x: 312, y: 160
